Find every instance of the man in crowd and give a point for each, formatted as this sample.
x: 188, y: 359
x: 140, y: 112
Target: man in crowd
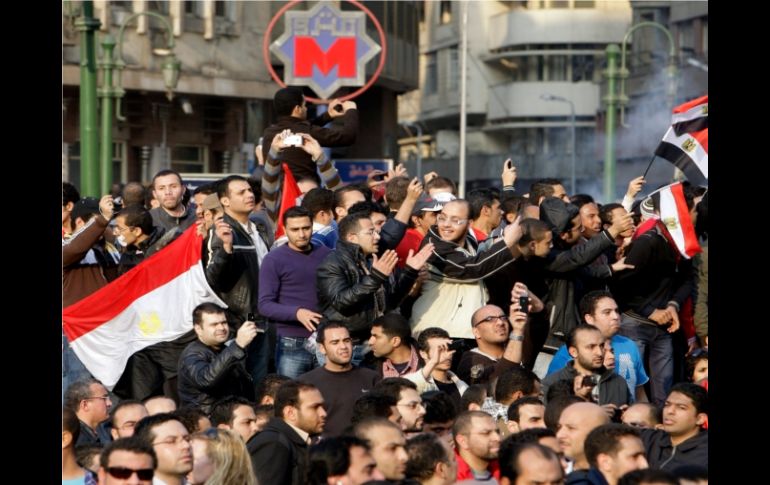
x: 168, y: 190
x: 91, y: 403
x: 236, y: 414
x: 125, y: 416
x: 170, y: 440
x: 388, y: 446
x: 612, y: 451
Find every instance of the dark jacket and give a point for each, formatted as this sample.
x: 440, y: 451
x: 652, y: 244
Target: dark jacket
x: 347, y: 294
x: 87, y: 262
x: 591, y: 476
x: 234, y: 277
x: 660, y: 275
x: 135, y: 254
x: 300, y: 162
x: 612, y: 388
x: 278, y: 454
x: 206, y: 374
x: 661, y: 454
x: 161, y: 218
x: 563, y: 267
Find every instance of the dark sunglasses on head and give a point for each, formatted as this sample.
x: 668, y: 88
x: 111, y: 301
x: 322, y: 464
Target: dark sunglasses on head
x: 123, y: 473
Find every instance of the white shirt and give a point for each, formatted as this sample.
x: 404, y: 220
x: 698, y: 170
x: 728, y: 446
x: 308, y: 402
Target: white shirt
x: 259, y: 244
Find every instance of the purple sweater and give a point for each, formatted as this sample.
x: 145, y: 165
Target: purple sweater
x: 287, y: 283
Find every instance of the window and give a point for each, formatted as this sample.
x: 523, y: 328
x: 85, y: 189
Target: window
x: 189, y: 159
x: 157, y: 6
x: 454, y: 69
x: 119, y: 165
x: 585, y: 4
x: 431, y: 74
x: 557, y: 68
x: 559, y: 4
x: 194, y: 8
x: 445, y: 13
x: 582, y: 68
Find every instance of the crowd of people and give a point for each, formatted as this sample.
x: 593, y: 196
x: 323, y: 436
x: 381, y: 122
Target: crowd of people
x: 394, y: 333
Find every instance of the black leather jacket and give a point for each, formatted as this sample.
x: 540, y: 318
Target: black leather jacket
x: 234, y: 277
x: 206, y: 375
x: 347, y: 294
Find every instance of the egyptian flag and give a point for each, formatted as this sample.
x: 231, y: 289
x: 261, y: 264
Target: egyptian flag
x: 289, y: 195
x: 151, y: 303
x: 671, y: 207
x: 685, y: 144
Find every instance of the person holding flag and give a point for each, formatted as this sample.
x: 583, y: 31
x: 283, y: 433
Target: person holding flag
x: 652, y: 293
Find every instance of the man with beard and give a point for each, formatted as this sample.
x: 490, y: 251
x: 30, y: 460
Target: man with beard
x: 408, y: 402
x: 168, y: 190
x: 590, y: 379
x: 477, y: 443
x: 388, y: 446
x: 339, y: 381
x: 598, y: 308
x: 279, y: 452
x: 287, y: 293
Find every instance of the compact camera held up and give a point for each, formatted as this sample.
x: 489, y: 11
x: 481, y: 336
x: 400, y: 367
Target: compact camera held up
x: 293, y: 140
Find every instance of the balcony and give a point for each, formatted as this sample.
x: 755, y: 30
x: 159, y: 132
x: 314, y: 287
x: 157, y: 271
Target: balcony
x: 522, y: 100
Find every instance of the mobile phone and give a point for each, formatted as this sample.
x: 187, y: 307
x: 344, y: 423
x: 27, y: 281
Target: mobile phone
x: 455, y: 345
x: 590, y: 381
x: 524, y: 303
x: 378, y: 177
x: 509, y: 164
x: 338, y: 108
x: 293, y: 141
x: 251, y: 317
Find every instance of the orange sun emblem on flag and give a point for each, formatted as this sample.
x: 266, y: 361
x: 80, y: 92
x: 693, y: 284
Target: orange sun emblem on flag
x: 671, y: 223
x: 150, y: 324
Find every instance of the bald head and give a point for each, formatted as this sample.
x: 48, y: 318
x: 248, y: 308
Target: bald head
x: 576, y: 421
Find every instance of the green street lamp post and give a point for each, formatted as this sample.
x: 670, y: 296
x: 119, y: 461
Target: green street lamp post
x: 96, y: 163
x: 89, y: 142
x: 612, y: 73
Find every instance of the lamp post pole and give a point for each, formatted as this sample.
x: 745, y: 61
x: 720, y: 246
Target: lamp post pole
x: 551, y: 97
x: 89, y: 168
x: 109, y: 91
x: 612, y: 73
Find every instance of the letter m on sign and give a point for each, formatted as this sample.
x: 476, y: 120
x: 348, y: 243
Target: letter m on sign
x: 342, y: 54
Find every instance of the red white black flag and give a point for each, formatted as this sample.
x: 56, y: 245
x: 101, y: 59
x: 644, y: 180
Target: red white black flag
x: 671, y: 209
x: 685, y: 144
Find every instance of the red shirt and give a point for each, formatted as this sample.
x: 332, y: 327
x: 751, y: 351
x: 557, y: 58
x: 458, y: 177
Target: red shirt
x: 480, y: 235
x: 464, y: 470
x: 411, y: 240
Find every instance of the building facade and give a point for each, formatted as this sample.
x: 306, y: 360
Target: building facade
x: 223, y: 100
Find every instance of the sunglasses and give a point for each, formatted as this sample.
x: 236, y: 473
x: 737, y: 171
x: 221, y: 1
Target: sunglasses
x: 123, y: 473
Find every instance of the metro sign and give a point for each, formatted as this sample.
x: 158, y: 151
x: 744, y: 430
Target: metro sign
x: 325, y: 48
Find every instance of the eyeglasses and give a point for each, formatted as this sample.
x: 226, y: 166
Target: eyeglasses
x: 122, y: 229
x: 370, y: 232
x: 502, y: 318
x: 441, y: 218
x: 123, y: 473
x: 175, y: 441
x: 106, y: 398
x: 411, y: 405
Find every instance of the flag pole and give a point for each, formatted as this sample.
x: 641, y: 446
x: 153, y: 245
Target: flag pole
x: 649, y: 165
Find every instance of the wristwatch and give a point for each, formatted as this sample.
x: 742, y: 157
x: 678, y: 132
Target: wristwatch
x: 518, y: 338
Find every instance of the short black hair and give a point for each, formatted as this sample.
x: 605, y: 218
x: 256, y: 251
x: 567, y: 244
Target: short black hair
x: 286, y: 99
x: 395, y: 325
x: 367, y: 207
x: 439, y: 407
x: 478, y: 199
x: 295, y: 213
x: 572, y: 335
x: 327, y: 325
x: 223, y: 409
x: 270, y: 385
x: 69, y: 193
x: 697, y: 394
x: 429, y: 333
x: 516, y: 378
x: 531, y: 435
x: 441, y: 183
x: 223, y: 185
x: 163, y: 173
x: 133, y: 445
x: 138, y: 216
x: 351, y: 224
x: 340, y: 192
x: 581, y: 199
x: 587, y: 305
x: 425, y: 452
x: 605, y: 211
x: 513, y: 409
x: 648, y: 476
x: 122, y: 404
x: 555, y: 407
x: 532, y: 230
x: 394, y: 385
x: 475, y: 394
x: 144, y: 428
x: 606, y: 439
x: 207, y: 308
x: 189, y: 417
x: 317, y: 200
x: 395, y: 191
x: 372, y: 404
x: 331, y: 457
x: 205, y: 189
x: 542, y: 188
x: 288, y: 395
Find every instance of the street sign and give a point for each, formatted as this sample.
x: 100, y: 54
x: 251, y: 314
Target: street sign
x: 354, y: 171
